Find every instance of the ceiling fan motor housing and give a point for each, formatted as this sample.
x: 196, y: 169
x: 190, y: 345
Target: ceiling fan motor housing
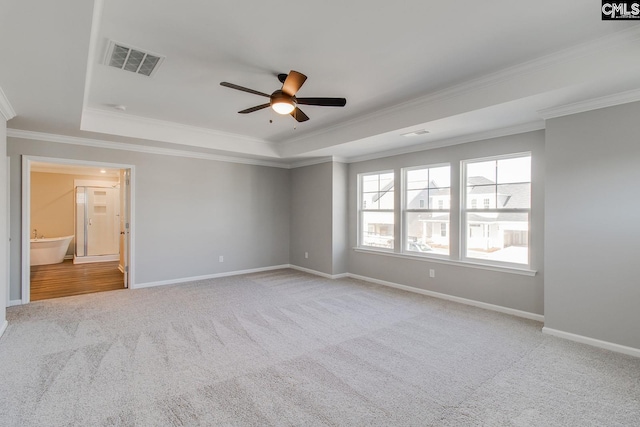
x: 280, y: 96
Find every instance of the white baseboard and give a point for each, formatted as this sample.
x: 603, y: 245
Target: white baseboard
x: 3, y: 327
x: 486, y: 306
x: 14, y: 302
x: 97, y: 258
x: 631, y: 351
x: 207, y: 276
x: 319, y: 273
x: 68, y: 257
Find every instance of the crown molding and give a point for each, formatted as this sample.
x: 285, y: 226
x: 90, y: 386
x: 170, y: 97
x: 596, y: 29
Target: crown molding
x: 629, y: 35
x: 128, y: 125
x: 317, y: 161
x: 146, y: 121
x: 73, y: 140
x: 311, y: 162
x: 478, y: 136
x: 6, y: 109
x: 591, y: 104
x: 64, y: 139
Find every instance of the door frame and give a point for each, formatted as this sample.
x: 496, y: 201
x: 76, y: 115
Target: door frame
x: 26, y: 216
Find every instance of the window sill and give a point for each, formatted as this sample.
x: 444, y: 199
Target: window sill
x: 468, y: 264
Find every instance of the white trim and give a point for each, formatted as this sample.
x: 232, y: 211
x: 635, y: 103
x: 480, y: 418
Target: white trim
x: 128, y: 125
x: 25, y: 279
x: 95, y: 259
x: 311, y: 162
x: 472, y: 137
x: 74, y: 140
x: 484, y: 305
x: 319, y: 273
x: 25, y: 223
x: 631, y: 351
x: 131, y: 212
x: 3, y: 327
x: 459, y: 263
x: 68, y: 257
x: 165, y: 124
x: 591, y: 104
x: 14, y: 302
x: 6, y: 109
x: 8, y: 248
x: 206, y: 276
x: 98, y: 6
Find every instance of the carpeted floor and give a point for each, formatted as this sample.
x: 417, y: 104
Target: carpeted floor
x: 287, y: 348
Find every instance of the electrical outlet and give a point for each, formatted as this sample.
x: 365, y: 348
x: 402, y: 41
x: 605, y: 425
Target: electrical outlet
x: 221, y: 258
x: 306, y: 254
x: 432, y: 272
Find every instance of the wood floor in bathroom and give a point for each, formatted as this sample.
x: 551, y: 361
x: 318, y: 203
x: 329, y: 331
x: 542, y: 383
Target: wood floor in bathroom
x: 66, y: 279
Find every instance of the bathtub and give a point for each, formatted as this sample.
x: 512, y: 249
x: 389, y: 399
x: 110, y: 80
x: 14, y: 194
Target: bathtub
x: 49, y: 250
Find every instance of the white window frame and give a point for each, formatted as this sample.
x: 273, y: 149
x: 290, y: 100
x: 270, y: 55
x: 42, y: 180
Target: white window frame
x: 361, y: 210
x: 404, y: 211
x: 464, y: 232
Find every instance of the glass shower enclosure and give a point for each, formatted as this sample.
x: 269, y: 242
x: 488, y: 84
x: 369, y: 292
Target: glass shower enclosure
x: 97, y: 223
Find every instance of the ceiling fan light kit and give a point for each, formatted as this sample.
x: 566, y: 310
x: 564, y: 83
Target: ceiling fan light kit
x: 283, y: 101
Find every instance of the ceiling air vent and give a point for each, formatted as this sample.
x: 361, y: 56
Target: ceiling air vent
x: 132, y: 59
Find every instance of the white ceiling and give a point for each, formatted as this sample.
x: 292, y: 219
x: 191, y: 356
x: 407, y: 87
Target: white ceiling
x: 460, y: 70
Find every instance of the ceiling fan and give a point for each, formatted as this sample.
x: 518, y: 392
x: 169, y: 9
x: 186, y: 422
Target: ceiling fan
x: 284, y: 101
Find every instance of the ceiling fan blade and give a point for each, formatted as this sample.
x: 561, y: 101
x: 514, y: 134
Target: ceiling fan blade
x: 244, y: 89
x: 252, y: 109
x: 293, y: 82
x: 324, y: 102
x: 299, y: 115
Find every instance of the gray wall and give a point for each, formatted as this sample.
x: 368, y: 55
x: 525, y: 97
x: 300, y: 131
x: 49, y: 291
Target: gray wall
x: 592, y: 242
x: 319, y: 217
x: 505, y: 289
x: 340, y: 219
x: 311, y: 217
x: 188, y: 212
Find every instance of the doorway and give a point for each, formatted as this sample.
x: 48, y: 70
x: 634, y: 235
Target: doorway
x: 77, y: 233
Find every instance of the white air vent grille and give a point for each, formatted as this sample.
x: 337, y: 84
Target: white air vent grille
x: 131, y: 59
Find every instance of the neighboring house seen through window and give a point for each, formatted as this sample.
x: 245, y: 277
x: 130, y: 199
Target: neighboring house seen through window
x: 424, y: 225
x: 491, y: 221
x: 376, y: 212
x: 500, y: 230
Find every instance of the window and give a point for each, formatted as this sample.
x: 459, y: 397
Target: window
x: 500, y: 230
x: 376, y: 213
x: 424, y: 225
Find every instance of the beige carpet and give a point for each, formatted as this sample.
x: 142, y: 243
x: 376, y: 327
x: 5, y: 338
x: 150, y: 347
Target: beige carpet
x: 287, y: 348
